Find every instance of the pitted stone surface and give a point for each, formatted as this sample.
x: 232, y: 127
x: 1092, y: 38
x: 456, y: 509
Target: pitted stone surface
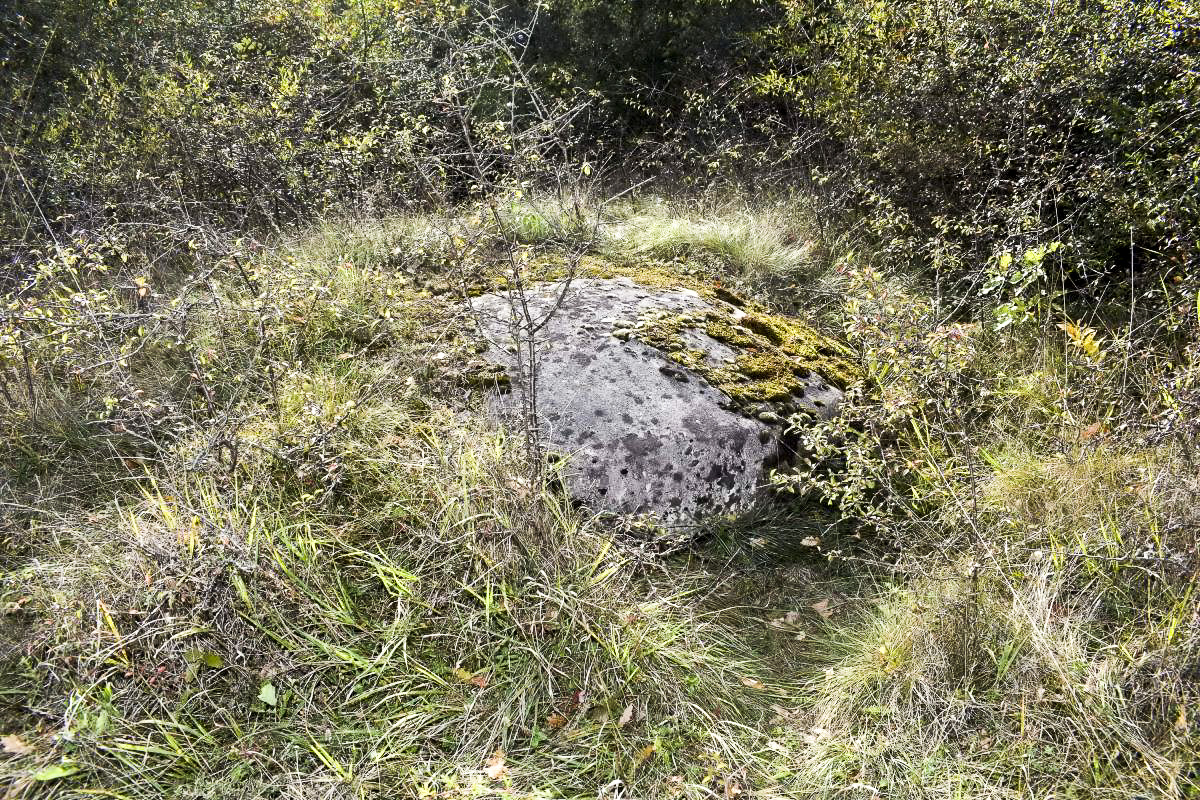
x: 643, y: 434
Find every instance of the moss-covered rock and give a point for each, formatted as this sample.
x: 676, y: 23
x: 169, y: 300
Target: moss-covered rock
x: 777, y: 356
x: 778, y: 362
x: 667, y: 401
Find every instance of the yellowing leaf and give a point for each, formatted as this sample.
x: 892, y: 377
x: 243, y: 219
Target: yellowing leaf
x: 13, y: 745
x: 753, y: 683
x: 464, y: 676
x: 643, y: 754
x: 56, y: 771
x: 1083, y: 338
x: 267, y: 694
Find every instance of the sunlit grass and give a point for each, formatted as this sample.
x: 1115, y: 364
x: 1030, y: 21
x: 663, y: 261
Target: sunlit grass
x: 420, y: 608
x: 747, y: 240
x: 338, y: 581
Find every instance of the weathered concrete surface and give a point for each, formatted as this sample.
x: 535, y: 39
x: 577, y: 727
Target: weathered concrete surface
x: 643, y: 433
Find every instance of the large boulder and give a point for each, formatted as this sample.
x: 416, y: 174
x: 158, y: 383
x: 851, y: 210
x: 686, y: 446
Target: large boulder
x: 671, y: 402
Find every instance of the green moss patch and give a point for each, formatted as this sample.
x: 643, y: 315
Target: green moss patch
x: 776, y: 355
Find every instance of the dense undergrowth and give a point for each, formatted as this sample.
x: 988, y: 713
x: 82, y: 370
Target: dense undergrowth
x: 266, y: 550
x: 256, y: 541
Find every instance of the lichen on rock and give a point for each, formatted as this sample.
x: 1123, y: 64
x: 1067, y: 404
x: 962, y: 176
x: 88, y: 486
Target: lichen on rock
x: 672, y: 402
x: 779, y: 363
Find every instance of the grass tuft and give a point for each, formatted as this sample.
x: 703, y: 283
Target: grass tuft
x: 746, y: 242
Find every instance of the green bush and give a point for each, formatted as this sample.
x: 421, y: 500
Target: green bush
x: 972, y: 129
x: 249, y: 115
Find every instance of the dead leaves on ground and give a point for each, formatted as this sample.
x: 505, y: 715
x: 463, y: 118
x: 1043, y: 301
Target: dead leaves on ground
x: 15, y: 746
x: 494, y: 767
x: 793, y: 623
x: 825, y: 608
x: 478, y: 680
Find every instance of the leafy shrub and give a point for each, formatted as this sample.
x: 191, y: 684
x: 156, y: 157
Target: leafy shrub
x: 1004, y: 125
x: 251, y: 114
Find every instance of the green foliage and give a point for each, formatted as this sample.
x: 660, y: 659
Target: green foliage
x: 999, y: 126
x: 254, y: 114
x: 333, y: 571
x: 313, y: 556
x: 650, y: 62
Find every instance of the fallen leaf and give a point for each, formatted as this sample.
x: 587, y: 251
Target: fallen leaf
x: 56, y: 771
x: 267, y: 694
x: 816, y: 735
x: 205, y: 657
x: 13, y: 745
x: 752, y: 683
x: 626, y: 715
x: 494, y: 768
x: 464, y: 676
x: 1089, y: 431
x: 788, y: 622
x: 555, y: 721
x: 784, y: 713
x: 824, y: 608
x: 643, y: 754
x: 810, y: 541
x: 520, y: 487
